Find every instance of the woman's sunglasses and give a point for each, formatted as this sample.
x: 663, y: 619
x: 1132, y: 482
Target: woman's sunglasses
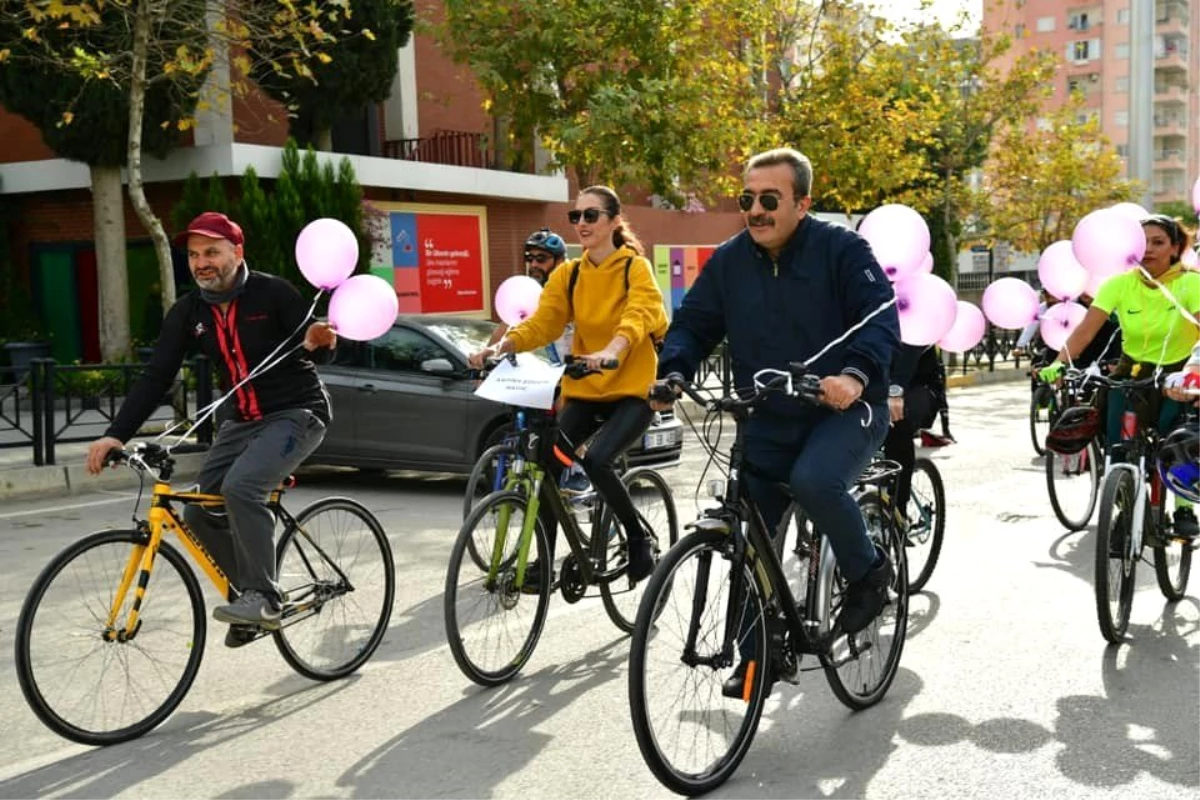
x: 588, y: 215
x: 769, y: 202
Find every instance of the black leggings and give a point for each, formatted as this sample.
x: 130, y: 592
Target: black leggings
x: 898, y: 446
x: 617, y: 424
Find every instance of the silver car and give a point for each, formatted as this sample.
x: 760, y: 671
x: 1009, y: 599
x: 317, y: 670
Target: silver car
x: 406, y: 401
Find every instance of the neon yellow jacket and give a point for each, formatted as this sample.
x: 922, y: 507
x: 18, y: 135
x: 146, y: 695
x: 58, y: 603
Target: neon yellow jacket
x: 602, y: 310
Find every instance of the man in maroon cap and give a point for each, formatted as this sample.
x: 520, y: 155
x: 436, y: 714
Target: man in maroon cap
x: 238, y: 318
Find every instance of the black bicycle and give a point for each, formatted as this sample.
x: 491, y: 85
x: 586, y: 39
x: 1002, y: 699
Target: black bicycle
x: 720, y: 596
x: 493, y: 616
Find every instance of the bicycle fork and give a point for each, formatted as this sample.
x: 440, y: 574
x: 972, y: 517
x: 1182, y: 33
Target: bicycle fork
x: 140, y: 564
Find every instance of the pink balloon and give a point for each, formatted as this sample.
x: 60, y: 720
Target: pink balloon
x: 517, y: 299
x: 1010, y: 303
x: 967, y: 330
x: 327, y: 252
x: 926, y: 264
x: 899, y: 238
x: 1059, y: 322
x: 1130, y: 210
x: 363, y: 307
x: 1189, y: 259
x: 1108, y: 242
x: 1094, y: 284
x: 1060, y: 273
x: 927, y: 306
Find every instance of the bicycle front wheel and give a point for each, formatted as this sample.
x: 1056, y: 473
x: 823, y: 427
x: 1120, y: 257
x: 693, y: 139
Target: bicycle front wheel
x: 1116, y: 566
x: 691, y: 736
x: 491, y: 623
x: 1073, y: 483
x: 94, y: 688
x: 339, y: 580
x: 1041, y: 416
x: 860, y: 667
x: 926, y: 523
x: 1172, y: 557
x: 655, y: 505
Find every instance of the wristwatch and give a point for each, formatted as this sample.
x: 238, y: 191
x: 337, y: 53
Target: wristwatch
x: 895, y: 391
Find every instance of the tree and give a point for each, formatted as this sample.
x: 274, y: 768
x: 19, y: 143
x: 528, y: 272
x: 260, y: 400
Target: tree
x: 172, y: 46
x: 86, y: 118
x: 653, y: 93
x: 1037, y: 184
x: 349, y: 73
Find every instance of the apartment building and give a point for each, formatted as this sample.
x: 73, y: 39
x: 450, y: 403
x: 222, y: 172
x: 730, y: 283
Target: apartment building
x: 1093, y: 42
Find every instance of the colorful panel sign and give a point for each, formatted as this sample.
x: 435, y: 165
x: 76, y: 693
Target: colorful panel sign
x: 677, y: 267
x: 437, y: 258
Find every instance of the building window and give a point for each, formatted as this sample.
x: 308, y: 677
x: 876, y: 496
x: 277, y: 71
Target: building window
x: 1078, y: 21
x: 1019, y: 30
x: 1122, y: 84
x: 1121, y: 118
x: 1123, y: 150
x: 1083, y: 51
x: 1121, y: 51
x: 1045, y: 24
x: 1123, y: 16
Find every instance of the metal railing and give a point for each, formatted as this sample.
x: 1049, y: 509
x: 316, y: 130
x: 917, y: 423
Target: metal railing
x: 51, y: 403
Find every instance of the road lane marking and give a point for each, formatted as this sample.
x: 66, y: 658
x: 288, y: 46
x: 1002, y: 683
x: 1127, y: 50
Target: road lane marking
x: 119, y: 499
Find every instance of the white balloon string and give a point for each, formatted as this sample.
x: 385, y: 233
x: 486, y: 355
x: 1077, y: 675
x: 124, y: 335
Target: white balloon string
x: 854, y: 329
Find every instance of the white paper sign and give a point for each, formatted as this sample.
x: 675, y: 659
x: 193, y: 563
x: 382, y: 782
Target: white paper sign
x: 530, y: 384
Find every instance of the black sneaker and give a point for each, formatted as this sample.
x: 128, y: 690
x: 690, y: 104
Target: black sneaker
x: 735, y: 685
x: 239, y: 635
x: 533, y: 578
x: 866, y: 597
x: 1185, y: 522
x: 251, y: 608
x: 641, y: 560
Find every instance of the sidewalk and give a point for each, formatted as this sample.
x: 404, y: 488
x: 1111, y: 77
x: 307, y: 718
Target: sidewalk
x: 20, y: 479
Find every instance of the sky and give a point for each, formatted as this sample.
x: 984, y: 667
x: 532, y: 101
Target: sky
x: 947, y: 11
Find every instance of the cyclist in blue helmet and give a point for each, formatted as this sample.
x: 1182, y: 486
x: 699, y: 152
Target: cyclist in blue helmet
x: 544, y: 250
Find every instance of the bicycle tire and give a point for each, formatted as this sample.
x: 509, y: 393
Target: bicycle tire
x: 937, y: 530
x: 1112, y: 532
x: 52, y: 711
x: 1041, y: 414
x: 1069, y: 518
x: 341, y: 588
x: 472, y: 495
x: 644, y: 688
x: 503, y: 594
x: 1173, y: 587
x: 616, y: 602
x: 855, y: 681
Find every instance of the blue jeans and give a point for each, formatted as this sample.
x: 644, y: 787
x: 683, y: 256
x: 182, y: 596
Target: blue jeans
x: 819, y: 457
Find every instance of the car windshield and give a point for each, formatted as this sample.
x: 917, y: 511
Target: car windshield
x: 468, y: 335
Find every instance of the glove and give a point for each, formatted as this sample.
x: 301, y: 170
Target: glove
x: 1051, y: 373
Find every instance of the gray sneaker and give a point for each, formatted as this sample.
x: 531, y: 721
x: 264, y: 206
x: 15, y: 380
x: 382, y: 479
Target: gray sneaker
x: 252, y: 608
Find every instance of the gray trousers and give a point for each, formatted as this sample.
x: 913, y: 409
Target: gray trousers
x: 248, y: 460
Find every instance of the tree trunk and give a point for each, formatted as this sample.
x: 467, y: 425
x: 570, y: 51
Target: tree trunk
x: 323, y: 139
x: 108, y: 211
x: 137, y: 191
x: 947, y: 219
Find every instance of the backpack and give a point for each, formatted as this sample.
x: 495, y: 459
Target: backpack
x: 656, y: 336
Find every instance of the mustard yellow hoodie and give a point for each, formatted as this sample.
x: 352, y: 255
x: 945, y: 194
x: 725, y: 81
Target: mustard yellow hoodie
x: 602, y: 310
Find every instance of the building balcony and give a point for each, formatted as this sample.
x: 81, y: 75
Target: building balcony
x: 1169, y: 126
x: 452, y: 148
x: 1174, y: 61
x: 1173, y: 94
x: 1170, y: 160
x: 1172, y: 17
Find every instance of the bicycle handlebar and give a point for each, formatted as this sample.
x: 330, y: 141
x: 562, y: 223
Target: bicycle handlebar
x: 575, y: 367
x: 795, y: 382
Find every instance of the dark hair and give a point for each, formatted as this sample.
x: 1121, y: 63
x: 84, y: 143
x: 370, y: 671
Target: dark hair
x: 1175, y: 232
x: 801, y: 167
x: 623, y: 235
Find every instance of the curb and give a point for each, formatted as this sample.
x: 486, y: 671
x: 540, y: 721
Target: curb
x: 71, y: 479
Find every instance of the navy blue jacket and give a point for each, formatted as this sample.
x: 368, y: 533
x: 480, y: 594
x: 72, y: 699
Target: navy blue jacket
x: 773, y: 312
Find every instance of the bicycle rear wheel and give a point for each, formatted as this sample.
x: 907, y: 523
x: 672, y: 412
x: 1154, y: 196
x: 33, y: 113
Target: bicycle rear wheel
x: 1073, y: 483
x: 655, y: 505
x: 94, y: 689
x: 691, y: 736
x: 491, y: 625
x: 926, y: 523
x: 1116, y: 566
x: 860, y: 667
x: 1041, y: 416
x: 339, y: 580
x: 1172, y: 557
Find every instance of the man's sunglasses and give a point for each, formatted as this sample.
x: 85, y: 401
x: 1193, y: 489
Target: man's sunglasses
x: 769, y: 202
x: 588, y: 215
x: 538, y: 258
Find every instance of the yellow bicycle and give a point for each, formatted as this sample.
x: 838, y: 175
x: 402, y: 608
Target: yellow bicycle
x: 111, y: 633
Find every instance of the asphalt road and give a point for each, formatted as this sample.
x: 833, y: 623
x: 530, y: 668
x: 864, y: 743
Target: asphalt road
x: 1006, y: 687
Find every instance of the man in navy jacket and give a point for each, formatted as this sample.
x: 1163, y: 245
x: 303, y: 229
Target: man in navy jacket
x: 780, y: 291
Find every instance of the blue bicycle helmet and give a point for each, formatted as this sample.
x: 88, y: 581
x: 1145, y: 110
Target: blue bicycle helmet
x: 547, y: 240
x: 1178, y: 454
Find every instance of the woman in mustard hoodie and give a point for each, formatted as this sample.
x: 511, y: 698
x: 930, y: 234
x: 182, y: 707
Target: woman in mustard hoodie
x: 611, y: 296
